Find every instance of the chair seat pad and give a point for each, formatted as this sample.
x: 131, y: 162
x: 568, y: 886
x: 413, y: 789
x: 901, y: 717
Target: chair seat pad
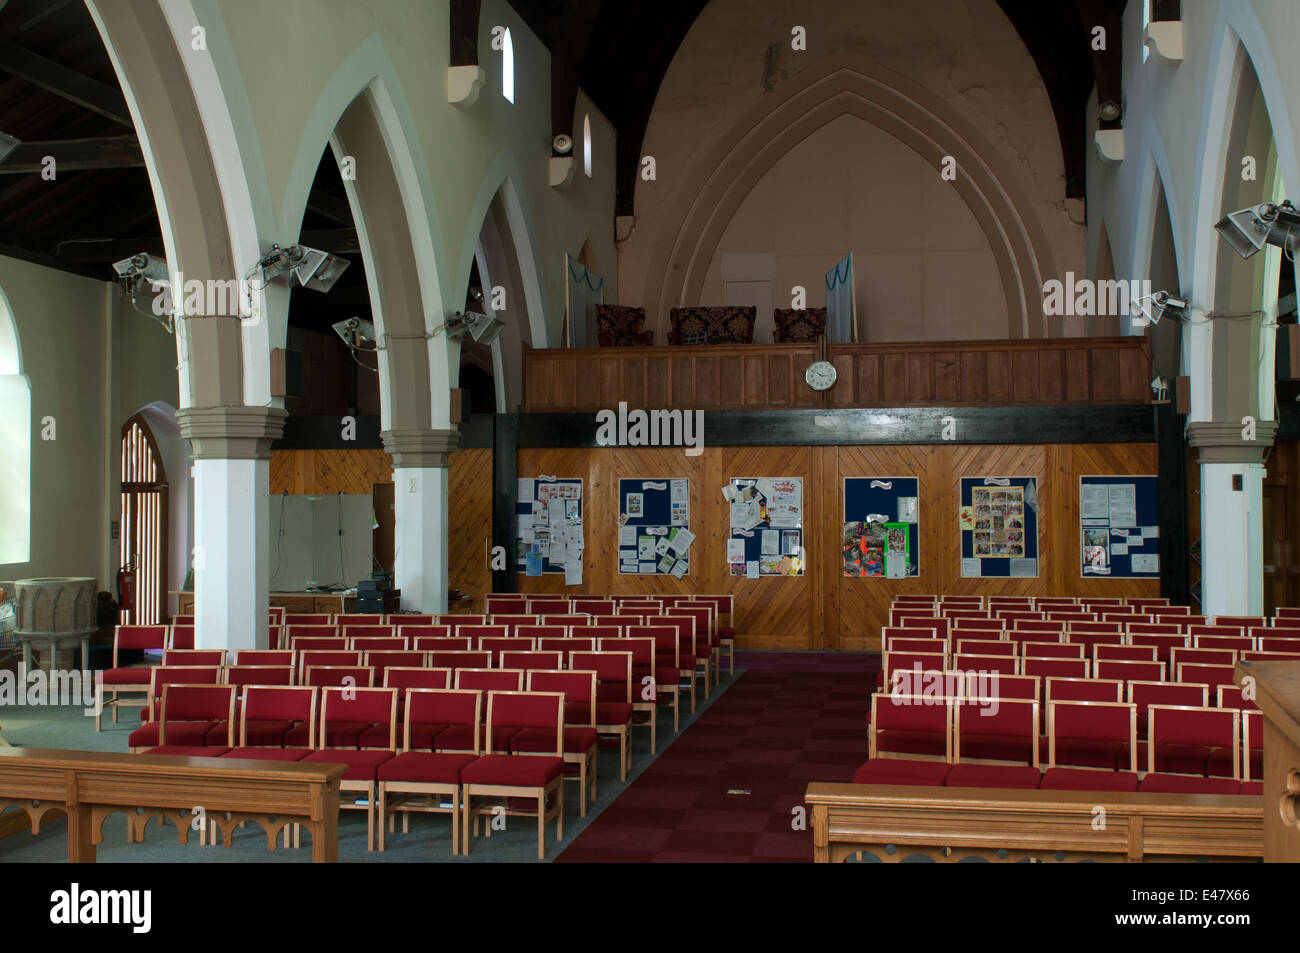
x: 994, y: 776
x: 1082, y: 779
x: 362, y: 765
x: 136, y: 676
x: 513, y: 770
x: 424, y: 767
x: 577, y: 740
x: 189, y: 751
x: 269, y: 754
x: 1186, y: 784
x: 898, y: 771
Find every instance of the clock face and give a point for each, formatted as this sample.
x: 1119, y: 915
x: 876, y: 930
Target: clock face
x: 820, y: 376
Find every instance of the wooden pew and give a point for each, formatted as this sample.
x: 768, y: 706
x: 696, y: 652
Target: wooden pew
x: 87, y: 786
x: 1276, y: 690
x: 949, y: 824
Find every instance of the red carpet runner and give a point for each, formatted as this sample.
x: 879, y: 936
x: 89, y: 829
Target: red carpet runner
x: 791, y: 718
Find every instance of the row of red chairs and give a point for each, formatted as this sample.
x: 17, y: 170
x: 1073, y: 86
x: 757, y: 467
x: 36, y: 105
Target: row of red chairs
x: 520, y: 747
x: 975, y: 741
x: 1205, y: 648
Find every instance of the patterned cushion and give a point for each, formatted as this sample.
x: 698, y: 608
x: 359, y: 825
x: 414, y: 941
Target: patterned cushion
x: 797, y: 327
x: 712, y: 325
x: 620, y: 326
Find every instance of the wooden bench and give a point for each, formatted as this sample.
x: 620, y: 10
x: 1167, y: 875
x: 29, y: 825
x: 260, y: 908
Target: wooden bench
x: 88, y: 786
x: 950, y: 824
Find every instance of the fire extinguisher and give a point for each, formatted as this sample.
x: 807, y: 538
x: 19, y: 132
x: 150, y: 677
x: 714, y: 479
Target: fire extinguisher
x: 126, y: 590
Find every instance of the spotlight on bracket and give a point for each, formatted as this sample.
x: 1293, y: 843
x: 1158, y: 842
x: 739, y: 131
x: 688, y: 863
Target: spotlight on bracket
x: 478, y: 327
x: 357, y: 333
x: 1249, y: 229
x: 141, y: 269
x: 310, y: 267
x: 1162, y: 303
x: 8, y: 144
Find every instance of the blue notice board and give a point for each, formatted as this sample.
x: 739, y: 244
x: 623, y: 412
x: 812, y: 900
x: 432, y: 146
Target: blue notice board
x: 541, y: 541
x: 998, y: 522
x: 882, y: 532
x: 654, y: 536
x: 1119, y: 527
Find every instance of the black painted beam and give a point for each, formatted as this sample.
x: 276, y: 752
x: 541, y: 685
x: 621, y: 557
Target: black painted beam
x: 1171, y: 462
x: 505, y: 494
x: 886, y: 426
x: 67, y: 83
x: 464, y: 32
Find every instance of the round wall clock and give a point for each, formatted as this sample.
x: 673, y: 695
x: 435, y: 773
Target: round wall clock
x: 820, y: 375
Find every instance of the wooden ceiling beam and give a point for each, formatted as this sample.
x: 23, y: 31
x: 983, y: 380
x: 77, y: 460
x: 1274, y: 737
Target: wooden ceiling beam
x: 68, y: 83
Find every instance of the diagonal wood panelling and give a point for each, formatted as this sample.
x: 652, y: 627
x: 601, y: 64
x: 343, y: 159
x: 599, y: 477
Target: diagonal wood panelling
x: 820, y: 609
x: 469, y: 513
x: 329, y: 471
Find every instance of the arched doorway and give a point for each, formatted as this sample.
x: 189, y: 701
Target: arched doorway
x: 144, y: 529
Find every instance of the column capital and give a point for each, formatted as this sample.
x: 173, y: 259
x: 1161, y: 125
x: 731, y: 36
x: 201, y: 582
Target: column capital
x: 231, y: 433
x: 420, y: 448
x: 1221, y: 442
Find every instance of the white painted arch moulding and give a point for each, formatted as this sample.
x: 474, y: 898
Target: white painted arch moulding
x: 719, y: 181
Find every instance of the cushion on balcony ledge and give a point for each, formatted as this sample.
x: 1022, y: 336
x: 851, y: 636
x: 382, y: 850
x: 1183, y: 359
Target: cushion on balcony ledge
x: 1085, y: 779
x: 993, y: 776
x: 900, y: 771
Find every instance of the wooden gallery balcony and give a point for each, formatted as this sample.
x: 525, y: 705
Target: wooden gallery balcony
x: 1110, y: 370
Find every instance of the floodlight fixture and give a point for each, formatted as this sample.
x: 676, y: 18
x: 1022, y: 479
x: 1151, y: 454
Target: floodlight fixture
x: 1161, y: 303
x: 310, y: 267
x: 355, y: 332
x: 1248, y: 230
x: 476, y: 326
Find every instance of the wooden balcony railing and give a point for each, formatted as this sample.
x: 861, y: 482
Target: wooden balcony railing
x: 1112, y: 370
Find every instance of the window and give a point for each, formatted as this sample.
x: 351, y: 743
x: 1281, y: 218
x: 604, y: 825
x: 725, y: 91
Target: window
x: 508, y: 67
x: 586, y: 145
x: 15, y: 447
x: 144, y: 522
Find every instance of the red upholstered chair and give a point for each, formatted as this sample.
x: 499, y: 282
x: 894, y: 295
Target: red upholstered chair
x: 242, y: 675
x: 378, y: 643
x: 382, y: 660
x: 593, y: 606
x: 505, y: 603
x: 1083, y: 690
x: 986, y: 685
x: 424, y: 631
x: 276, y: 637
x: 1056, y: 667
x: 528, y: 661
x: 580, y: 736
x: 569, y: 619
x: 692, y: 653
x: 900, y: 771
x: 263, y: 657
x: 708, y: 647
x: 453, y: 643
x: 645, y: 684
x: 313, y: 658
x: 459, y: 658
x: 422, y: 781
x: 308, y: 618
x: 277, y: 723
x: 313, y: 643
x: 1181, y: 738
x: 455, y: 621
x: 122, y: 683
x: 400, y: 619
x: 490, y: 679
x: 667, y: 666
x: 512, y: 622
x: 193, y: 720
x: 1091, y: 735
x: 160, y: 676
x: 1131, y: 671
x: 345, y: 714
x: 1211, y: 675
x: 910, y: 726
x: 613, y: 697
x: 339, y: 676
x: 1241, y: 621
x: 1125, y: 653
x: 182, y: 636
x: 183, y: 618
x: 1063, y: 650
x: 351, y: 620
x: 194, y: 657
x: 1004, y: 731
x: 1002, y: 664
x: 1202, y: 656
x: 925, y: 646
x: 314, y: 630
x: 539, y: 777
x: 1231, y: 696
x: 977, y: 647
x: 565, y: 646
x: 403, y: 679
x: 538, y: 630
x: 496, y: 645
x: 1145, y: 694
x: 548, y: 605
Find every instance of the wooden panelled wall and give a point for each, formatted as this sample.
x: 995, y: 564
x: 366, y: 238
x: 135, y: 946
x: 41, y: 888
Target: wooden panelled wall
x: 329, y: 471
x: 821, y: 609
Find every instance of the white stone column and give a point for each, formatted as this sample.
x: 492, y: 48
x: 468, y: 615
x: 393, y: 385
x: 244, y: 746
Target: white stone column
x: 1232, y: 524
x: 231, y: 450
x: 420, y: 460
